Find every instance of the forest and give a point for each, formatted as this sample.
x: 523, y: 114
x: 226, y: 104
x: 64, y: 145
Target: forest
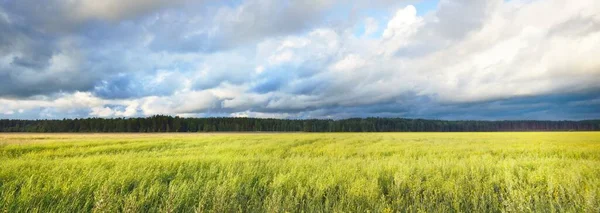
x: 161, y: 123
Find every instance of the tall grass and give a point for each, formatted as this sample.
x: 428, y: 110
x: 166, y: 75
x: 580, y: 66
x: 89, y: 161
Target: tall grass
x: 340, y: 172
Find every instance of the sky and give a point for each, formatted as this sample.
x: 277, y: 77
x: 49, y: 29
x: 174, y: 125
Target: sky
x: 328, y: 59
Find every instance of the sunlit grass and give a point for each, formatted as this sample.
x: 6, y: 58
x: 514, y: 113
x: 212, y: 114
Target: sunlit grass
x: 312, y: 172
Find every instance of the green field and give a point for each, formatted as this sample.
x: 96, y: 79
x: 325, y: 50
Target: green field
x: 301, y: 172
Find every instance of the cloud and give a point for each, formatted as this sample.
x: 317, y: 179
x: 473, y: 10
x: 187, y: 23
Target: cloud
x: 371, y: 26
x: 59, y: 16
x: 115, y: 9
x: 28, y: 68
x: 400, y: 28
x: 301, y: 59
x: 233, y: 26
x: 455, y: 19
x: 514, y: 54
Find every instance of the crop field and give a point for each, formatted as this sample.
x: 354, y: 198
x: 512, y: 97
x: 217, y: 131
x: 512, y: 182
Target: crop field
x: 301, y: 172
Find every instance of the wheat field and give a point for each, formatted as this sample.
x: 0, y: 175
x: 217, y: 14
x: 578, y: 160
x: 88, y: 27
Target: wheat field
x: 301, y: 172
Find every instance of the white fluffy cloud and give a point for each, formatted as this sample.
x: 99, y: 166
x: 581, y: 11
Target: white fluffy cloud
x: 517, y: 53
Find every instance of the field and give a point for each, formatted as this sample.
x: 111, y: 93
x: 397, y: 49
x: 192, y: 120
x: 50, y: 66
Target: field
x: 301, y: 172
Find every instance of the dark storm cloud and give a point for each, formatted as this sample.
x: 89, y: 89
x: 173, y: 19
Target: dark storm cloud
x: 545, y: 107
x: 540, y: 107
x: 28, y: 69
x: 39, y: 62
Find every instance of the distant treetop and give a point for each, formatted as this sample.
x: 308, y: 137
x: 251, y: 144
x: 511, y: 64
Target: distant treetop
x: 161, y: 123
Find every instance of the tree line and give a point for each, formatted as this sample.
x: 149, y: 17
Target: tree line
x: 161, y: 123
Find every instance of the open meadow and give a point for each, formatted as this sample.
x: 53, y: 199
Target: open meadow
x: 301, y: 172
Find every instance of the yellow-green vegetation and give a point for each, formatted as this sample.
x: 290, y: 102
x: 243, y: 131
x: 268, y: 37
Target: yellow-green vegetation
x: 301, y: 172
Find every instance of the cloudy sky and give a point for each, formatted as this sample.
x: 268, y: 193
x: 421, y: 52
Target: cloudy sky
x: 446, y: 59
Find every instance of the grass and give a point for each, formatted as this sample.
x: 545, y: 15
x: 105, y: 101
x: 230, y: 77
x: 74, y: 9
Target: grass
x: 297, y: 172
